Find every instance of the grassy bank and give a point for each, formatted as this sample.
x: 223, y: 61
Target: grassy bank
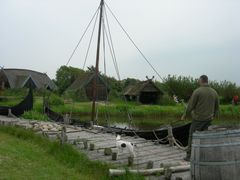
x: 121, y: 108
x: 25, y: 155
x: 143, y: 115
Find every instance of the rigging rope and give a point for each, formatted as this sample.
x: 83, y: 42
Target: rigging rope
x: 85, y: 60
x: 138, y: 49
x: 111, y: 41
x: 105, y: 72
x: 82, y: 36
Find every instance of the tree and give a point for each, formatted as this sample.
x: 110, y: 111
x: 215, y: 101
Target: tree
x: 181, y: 86
x: 65, y: 76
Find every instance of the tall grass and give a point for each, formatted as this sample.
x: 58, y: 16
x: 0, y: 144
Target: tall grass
x: 65, y: 154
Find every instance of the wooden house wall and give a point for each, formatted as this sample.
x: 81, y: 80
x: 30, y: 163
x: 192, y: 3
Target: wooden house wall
x: 101, y: 90
x: 149, y: 94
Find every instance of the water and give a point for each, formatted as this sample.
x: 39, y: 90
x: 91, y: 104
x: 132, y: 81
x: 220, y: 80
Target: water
x: 143, y: 123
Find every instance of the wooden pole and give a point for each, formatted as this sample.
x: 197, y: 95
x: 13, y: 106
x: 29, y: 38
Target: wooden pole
x: 170, y: 136
x: 146, y: 172
x: 94, y: 87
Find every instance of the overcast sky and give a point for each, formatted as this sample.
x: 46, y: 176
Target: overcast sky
x: 182, y: 37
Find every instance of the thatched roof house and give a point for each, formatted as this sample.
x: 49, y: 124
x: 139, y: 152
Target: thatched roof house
x: 19, y: 78
x: 84, y: 83
x: 145, y: 92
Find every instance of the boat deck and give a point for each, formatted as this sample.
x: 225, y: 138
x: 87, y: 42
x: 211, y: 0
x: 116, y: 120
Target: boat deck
x: 147, y: 152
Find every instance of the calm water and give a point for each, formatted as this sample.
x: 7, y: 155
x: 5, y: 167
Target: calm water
x: 137, y: 122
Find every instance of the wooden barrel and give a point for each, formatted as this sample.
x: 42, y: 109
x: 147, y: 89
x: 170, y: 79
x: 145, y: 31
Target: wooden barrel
x: 216, y: 155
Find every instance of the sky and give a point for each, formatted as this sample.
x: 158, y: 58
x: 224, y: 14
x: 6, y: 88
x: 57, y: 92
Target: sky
x: 184, y: 37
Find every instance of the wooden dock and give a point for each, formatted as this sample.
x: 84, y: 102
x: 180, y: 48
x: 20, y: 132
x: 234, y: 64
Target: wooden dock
x: 147, y: 152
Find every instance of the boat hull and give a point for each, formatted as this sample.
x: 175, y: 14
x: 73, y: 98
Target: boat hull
x: 25, y: 105
x: 180, y: 133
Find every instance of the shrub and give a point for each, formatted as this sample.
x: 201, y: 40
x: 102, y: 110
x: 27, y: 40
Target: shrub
x: 166, y: 100
x: 77, y: 95
x: 55, y: 100
x: 34, y: 115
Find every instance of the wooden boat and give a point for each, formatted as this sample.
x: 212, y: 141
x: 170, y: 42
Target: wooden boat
x: 25, y: 105
x: 54, y: 116
x: 180, y: 132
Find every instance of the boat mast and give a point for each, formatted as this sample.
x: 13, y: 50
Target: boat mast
x: 94, y: 88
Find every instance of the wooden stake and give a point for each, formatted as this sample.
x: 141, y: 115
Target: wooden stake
x: 114, y: 156
x: 170, y: 136
x: 92, y: 147
x: 85, y: 144
x: 107, y: 151
x: 150, y: 165
x: 130, y: 161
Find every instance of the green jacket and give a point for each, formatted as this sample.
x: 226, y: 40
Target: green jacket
x: 203, y: 104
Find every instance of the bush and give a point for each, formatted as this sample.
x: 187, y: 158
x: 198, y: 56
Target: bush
x: 77, y: 95
x: 55, y: 100
x: 34, y: 115
x: 15, y: 92
x: 166, y: 100
x: 181, y: 86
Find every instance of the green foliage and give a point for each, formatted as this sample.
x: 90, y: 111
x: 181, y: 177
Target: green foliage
x: 15, y: 92
x: 166, y: 100
x: 129, y: 81
x: 76, y: 95
x: 65, y: 76
x: 180, y: 85
x: 184, y: 86
x: 35, y: 115
x: 55, y: 100
x: 226, y: 90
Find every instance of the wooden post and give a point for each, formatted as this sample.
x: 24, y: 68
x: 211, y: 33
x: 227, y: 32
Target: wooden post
x: 150, y: 165
x: 94, y: 87
x: 92, y: 147
x: 85, y: 144
x: 107, y: 151
x: 170, y: 136
x: 63, y: 138
x: 168, y: 174
x: 67, y: 119
x: 114, y: 156
x: 130, y: 161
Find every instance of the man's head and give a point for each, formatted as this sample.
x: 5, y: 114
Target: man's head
x: 203, y: 80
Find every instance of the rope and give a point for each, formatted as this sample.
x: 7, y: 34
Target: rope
x: 105, y: 71
x: 113, y: 50
x: 138, y: 49
x: 90, y: 41
x: 113, y: 55
x: 159, y: 140
x: 174, y: 140
x: 82, y: 36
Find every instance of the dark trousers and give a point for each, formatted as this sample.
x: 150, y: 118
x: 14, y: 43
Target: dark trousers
x: 196, y: 126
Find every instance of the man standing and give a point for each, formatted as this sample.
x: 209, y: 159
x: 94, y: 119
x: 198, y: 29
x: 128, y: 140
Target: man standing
x: 203, y: 106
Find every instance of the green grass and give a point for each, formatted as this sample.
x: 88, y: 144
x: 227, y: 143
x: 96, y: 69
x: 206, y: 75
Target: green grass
x: 143, y: 115
x: 25, y: 155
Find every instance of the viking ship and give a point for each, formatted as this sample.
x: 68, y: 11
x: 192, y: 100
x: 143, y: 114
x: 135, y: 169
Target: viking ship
x: 180, y: 132
x: 57, y: 117
x: 25, y: 105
